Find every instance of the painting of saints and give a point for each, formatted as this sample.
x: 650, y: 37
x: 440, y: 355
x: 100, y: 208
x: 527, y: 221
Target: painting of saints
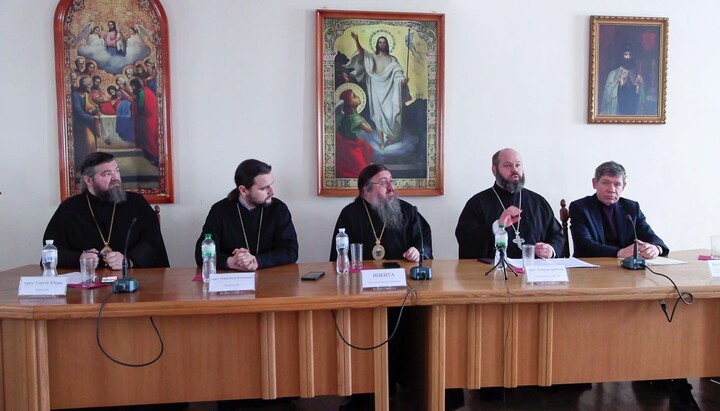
x: 353, y: 153
x: 114, y: 55
x: 390, y: 77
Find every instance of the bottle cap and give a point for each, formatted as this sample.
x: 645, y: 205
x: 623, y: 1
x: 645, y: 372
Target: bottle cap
x: 208, y: 235
x: 342, y: 230
x: 49, y: 242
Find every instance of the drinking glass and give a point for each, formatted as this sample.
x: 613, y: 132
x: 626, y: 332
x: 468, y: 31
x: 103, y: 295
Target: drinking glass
x: 528, y: 254
x: 87, y: 270
x: 715, y: 247
x: 356, y: 257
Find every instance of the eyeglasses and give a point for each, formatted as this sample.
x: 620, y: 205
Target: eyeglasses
x: 384, y: 182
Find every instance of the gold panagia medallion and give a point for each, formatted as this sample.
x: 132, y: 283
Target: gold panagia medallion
x: 106, y: 250
x: 378, y: 252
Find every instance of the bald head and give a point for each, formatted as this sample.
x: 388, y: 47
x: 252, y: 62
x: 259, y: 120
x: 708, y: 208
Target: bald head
x: 503, y: 154
x: 508, y: 169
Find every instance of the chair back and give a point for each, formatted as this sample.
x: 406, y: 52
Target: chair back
x: 564, y: 218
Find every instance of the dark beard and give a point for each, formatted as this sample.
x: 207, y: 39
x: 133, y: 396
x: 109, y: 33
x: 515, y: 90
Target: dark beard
x: 390, y: 212
x: 261, y: 203
x: 114, y: 194
x: 508, y: 185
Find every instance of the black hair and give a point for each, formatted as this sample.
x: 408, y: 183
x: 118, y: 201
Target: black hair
x: 245, y: 174
x: 366, y: 174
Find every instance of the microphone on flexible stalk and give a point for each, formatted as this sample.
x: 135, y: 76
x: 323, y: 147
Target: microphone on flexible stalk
x: 125, y: 284
x: 634, y: 262
x: 420, y: 272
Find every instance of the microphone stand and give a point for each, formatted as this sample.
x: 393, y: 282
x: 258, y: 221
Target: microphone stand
x: 502, y: 264
x: 634, y: 262
x: 125, y: 284
x: 421, y: 272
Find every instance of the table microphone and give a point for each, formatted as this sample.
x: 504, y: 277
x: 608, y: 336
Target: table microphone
x: 125, y: 284
x: 420, y: 272
x: 634, y: 262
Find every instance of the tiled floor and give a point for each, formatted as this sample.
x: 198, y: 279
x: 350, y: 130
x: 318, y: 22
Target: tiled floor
x: 619, y: 396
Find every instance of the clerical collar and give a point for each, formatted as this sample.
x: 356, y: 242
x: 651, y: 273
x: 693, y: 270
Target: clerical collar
x: 505, y: 192
x: 95, y: 198
x: 242, y: 203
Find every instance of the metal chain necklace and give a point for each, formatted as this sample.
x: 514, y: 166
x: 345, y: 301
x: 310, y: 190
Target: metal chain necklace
x: 106, y: 249
x: 242, y: 224
x: 378, y: 252
x: 517, y: 240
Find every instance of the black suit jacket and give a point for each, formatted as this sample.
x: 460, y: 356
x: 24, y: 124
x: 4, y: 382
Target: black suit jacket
x: 587, y: 228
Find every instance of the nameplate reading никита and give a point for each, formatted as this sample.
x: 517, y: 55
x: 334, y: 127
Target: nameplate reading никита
x: 384, y: 278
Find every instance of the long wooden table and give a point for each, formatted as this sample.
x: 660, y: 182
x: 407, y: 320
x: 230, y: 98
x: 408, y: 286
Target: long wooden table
x: 475, y: 331
x: 279, y: 342
x: 606, y: 324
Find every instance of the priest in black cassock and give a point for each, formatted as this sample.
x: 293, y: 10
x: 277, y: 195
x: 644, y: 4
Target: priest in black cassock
x: 95, y: 222
x: 251, y: 228
x: 526, y: 215
x: 388, y: 227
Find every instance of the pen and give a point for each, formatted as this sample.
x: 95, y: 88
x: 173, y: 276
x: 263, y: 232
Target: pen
x: 98, y: 253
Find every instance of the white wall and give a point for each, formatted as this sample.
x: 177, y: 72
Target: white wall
x: 243, y: 82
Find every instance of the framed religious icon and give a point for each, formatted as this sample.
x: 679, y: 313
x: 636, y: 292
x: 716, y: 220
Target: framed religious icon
x: 380, y: 99
x: 113, y: 92
x: 628, y: 69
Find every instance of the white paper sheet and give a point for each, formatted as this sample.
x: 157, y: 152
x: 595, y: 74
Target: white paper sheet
x: 663, y: 261
x: 571, y: 262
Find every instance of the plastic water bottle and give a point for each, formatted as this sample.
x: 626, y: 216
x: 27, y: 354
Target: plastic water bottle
x: 49, y: 258
x: 342, y: 246
x: 501, y: 240
x: 209, y: 257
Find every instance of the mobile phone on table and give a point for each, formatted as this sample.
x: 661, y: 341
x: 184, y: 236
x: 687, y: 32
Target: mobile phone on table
x: 313, y: 276
x: 391, y: 264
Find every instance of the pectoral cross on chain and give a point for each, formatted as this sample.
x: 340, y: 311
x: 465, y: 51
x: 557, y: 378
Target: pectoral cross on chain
x: 519, y: 241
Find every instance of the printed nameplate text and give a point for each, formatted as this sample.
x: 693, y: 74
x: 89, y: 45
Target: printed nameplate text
x: 384, y: 278
x: 714, y: 267
x: 232, y: 282
x: 43, y: 286
x: 546, y: 274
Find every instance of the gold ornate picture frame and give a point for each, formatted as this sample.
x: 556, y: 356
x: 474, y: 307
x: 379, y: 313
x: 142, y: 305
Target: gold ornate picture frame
x: 380, y: 81
x: 628, y: 69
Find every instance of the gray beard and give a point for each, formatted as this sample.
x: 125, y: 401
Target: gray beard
x: 114, y: 194
x: 390, y: 212
x: 510, y: 186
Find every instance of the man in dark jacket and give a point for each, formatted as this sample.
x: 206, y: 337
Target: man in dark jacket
x: 604, y: 224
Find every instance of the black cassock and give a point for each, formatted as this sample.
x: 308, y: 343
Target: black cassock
x: 538, y: 223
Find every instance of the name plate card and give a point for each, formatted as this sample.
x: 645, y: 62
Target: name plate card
x: 43, y: 286
x: 232, y: 283
x: 384, y: 278
x: 714, y: 266
x: 546, y: 274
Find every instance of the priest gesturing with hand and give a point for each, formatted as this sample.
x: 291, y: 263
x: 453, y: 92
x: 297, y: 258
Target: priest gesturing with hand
x: 526, y: 215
